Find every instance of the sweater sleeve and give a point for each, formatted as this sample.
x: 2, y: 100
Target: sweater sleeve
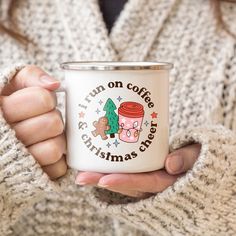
x: 203, y: 201
x: 22, y: 181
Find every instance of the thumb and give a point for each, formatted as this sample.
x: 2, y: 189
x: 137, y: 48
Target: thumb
x: 31, y: 76
x: 182, y: 159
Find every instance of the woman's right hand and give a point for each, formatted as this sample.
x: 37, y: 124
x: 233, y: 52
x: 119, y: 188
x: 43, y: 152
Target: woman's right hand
x: 29, y: 106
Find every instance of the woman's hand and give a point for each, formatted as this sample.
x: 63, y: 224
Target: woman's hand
x: 143, y: 184
x: 28, y: 105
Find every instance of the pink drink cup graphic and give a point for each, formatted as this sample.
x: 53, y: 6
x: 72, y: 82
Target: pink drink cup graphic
x: 130, y: 121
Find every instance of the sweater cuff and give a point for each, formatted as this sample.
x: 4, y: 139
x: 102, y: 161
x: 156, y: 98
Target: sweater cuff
x: 7, y: 73
x: 184, y: 206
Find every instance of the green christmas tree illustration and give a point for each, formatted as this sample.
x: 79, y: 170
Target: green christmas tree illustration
x: 112, y: 117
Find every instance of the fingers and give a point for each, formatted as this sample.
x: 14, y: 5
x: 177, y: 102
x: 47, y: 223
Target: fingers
x: 26, y: 103
x: 50, y: 155
x: 144, y: 182
x: 57, y: 169
x: 31, y: 111
x: 50, y: 151
x: 151, y: 182
x: 31, y: 76
x: 182, y: 159
x: 39, y: 128
x: 90, y: 178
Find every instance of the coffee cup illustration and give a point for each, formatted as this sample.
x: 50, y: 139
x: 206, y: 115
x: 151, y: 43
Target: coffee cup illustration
x: 130, y: 121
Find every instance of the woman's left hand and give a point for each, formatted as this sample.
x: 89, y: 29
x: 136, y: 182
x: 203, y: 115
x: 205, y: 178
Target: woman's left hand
x: 144, y: 184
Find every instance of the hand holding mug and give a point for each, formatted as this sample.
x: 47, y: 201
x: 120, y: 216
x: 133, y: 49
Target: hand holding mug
x: 119, y: 123
x: 142, y: 185
x: 29, y: 106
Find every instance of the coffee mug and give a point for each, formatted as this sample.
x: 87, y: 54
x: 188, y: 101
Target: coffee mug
x: 117, y: 115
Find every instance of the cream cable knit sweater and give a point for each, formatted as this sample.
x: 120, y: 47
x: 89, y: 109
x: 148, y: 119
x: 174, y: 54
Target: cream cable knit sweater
x: 202, y: 109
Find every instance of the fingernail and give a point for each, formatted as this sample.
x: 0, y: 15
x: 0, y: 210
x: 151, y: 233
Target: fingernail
x: 102, y: 185
x: 46, y: 79
x: 175, y: 164
x: 80, y: 181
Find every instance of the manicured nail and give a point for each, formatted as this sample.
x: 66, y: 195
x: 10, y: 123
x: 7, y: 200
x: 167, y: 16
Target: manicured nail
x: 80, y: 181
x: 46, y: 79
x: 175, y: 164
x: 101, y: 185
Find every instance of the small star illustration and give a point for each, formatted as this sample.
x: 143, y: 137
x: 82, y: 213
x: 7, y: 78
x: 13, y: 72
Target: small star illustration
x: 81, y: 114
x: 154, y: 115
x: 108, y: 145
x: 119, y: 98
x: 116, y: 143
x: 146, y: 123
x: 100, y: 102
x: 98, y: 111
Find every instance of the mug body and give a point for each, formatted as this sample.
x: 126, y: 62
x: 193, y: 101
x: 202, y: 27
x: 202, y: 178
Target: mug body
x: 117, y: 116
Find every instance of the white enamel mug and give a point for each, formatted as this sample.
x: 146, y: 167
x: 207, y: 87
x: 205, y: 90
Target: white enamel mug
x: 117, y: 115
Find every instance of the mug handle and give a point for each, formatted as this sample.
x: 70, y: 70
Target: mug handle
x: 62, y: 89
